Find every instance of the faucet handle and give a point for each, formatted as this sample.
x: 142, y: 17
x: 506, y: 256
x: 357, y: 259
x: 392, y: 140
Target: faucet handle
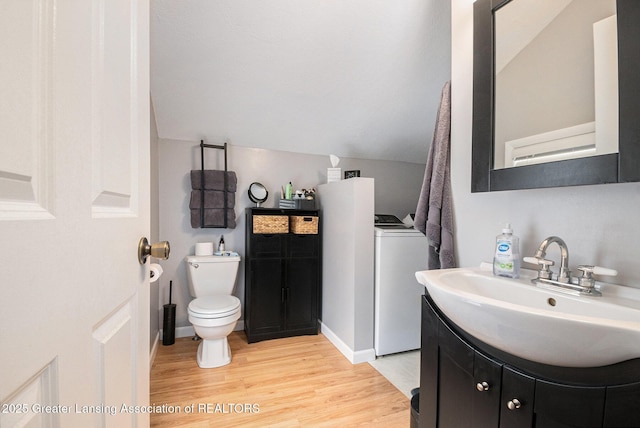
x: 588, y: 270
x: 586, y: 280
x: 544, y: 271
x: 538, y: 261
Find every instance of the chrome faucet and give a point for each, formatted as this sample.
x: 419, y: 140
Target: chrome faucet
x: 564, y: 276
x: 584, y: 285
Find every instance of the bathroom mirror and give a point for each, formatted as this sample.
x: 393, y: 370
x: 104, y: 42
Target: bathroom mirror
x: 494, y: 19
x: 258, y: 193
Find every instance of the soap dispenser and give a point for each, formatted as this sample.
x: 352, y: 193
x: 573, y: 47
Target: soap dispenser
x: 221, y: 244
x: 506, y: 261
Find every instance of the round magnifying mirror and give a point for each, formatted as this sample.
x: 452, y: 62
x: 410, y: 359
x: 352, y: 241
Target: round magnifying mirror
x: 258, y: 193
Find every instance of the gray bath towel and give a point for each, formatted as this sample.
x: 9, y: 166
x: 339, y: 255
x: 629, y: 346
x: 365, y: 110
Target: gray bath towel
x: 434, y: 214
x: 213, y: 180
x: 213, y: 218
x: 212, y: 199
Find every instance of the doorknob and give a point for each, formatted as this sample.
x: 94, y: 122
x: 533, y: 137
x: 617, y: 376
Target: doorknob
x: 159, y: 250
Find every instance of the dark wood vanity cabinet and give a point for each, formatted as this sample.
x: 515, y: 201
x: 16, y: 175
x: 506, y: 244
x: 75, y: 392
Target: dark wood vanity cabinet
x: 282, y: 280
x: 465, y: 383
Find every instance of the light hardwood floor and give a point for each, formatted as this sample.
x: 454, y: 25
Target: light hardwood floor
x: 294, y: 382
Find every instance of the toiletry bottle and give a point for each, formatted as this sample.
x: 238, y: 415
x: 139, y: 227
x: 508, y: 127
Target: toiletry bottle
x: 288, y: 191
x: 221, y: 244
x: 506, y: 261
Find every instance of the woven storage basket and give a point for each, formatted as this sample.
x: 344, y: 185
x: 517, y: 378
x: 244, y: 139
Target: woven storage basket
x: 270, y: 224
x: 304, y: 225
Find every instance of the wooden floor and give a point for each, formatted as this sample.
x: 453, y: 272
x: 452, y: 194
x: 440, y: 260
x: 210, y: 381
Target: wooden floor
x: 294, y: 382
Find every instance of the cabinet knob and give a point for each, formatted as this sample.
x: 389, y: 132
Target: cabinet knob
x: 514, y: 404
x: 482, y: 386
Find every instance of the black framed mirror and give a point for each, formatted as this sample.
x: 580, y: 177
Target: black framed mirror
x: 623, y: 166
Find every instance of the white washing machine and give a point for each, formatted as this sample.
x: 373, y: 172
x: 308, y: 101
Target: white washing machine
x: 400, y: 252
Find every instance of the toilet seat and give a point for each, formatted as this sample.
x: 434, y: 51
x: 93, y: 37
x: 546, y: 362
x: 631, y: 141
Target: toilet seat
x: 214, y: 306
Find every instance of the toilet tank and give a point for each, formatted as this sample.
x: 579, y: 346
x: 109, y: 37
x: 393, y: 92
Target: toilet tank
x: 212, y: 274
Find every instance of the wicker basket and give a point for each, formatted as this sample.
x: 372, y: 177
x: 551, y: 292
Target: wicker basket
x: 270, y: 224
x: 304, y: 225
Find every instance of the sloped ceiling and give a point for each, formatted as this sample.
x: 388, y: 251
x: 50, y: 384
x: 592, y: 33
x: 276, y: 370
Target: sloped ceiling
x: 519, y: 23
x: 356, y: 78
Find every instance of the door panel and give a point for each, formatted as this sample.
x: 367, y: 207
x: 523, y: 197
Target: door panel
x: 74, y: 201
x: 302, y: 293
x: 516, y: 386
x: 26, y: 106
x: 114, y: 137
x: 568, y: 406
x: 487, y: 375
x: 267, y: 296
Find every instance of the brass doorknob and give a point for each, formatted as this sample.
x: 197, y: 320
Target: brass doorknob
x: 159, y: 250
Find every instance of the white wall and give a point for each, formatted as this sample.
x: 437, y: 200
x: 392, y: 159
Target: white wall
x: 599, y: 223
x: 397, y: 189
x: 348, y: 267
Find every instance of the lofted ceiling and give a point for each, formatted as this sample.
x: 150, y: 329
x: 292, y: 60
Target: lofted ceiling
x: 520, y: 23
x: 355, y: 78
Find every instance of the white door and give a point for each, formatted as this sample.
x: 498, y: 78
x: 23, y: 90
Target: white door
x: 74, y: 202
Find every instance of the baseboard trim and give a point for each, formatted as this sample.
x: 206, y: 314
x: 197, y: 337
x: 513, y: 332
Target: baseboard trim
x: 355, y: 357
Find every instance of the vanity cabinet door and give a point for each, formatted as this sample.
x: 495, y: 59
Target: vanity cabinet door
x: 450, y: 371
x: 456, y: 382
x: 428, y: 366
x: 516, y: 403
x: 487, y: 375
x: 622, y: 407
x: 560, y: 406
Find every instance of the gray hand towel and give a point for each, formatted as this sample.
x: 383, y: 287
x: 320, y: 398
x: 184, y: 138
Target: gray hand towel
x: 434, y: 213
x: 212, y: 199
x: 213, y: 218
x: 213, y: 180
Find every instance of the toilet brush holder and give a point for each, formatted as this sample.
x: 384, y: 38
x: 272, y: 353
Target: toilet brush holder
x: 169, y: 320
x: 169, y: 324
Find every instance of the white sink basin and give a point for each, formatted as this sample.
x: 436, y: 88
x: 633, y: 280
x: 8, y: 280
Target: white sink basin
x: 537, y: 324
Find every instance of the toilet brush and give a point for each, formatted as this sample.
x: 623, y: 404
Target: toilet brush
x: 169, y: 322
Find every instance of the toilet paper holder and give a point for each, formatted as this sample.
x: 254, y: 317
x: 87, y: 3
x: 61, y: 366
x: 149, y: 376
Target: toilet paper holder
x: 159, y: 250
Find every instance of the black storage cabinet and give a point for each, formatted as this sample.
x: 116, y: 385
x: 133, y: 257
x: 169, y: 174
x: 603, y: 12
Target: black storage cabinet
x: 282, y: 279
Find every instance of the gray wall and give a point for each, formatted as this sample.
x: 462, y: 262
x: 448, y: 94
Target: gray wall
x: 397, y: 186
x: 599, y: 223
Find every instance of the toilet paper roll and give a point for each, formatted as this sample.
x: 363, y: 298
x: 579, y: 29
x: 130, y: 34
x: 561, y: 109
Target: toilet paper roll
x: 155, y: 270
x: 204, y: 248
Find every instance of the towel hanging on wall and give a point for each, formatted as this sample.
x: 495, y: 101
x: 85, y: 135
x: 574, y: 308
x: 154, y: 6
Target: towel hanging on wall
x: 434, y: 213
x: 213, y: 193
x: 214, y: 201
x: 213, y: 218
x: 213, y: 180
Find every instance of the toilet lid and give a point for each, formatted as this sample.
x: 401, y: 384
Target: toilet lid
x: 217, y: 305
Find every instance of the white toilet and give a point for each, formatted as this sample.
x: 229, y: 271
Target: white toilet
x: 215, y: 311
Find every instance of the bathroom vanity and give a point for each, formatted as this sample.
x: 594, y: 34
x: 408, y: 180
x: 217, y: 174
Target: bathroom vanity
x: 467, y: 383
x: 282, y: 273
